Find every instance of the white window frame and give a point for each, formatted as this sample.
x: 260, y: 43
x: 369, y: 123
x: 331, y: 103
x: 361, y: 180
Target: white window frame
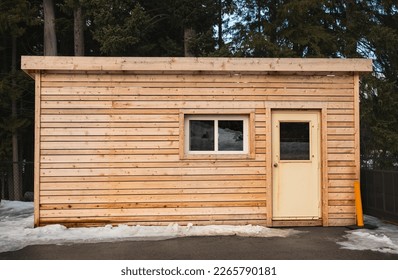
x: 216, y: 118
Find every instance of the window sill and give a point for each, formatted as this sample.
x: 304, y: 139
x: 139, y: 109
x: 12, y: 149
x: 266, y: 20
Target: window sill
x: 216, y: 156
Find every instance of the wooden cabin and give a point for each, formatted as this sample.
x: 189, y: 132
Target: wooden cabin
x: 236, y: 141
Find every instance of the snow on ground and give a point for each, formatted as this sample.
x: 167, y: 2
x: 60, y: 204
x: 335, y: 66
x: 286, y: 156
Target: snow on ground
x: 17, y: 232
x: 382, y: 239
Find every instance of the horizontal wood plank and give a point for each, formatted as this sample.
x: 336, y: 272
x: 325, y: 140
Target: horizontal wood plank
x: 110, y: 145
x: 93, y: 76
x: 165, y: 221
x: 342, y: 222
x: 82, y: 118
x: 151, y: 198
x: 108, y: 91
x: 159, y: 178
x: 154, y: 185
x: 155, y: 131
x: 154, y: 212
x: 341, y: 209
x: 166, y: 171
x: 146, y: 191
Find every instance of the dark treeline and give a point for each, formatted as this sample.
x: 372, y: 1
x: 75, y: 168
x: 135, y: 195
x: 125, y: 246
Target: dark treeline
x: 244, y: 28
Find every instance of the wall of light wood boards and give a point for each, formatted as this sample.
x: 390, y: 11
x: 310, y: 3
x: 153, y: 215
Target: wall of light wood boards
x: 109, y: 147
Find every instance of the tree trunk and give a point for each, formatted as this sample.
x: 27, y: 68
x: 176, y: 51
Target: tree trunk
x: 50, y: 38
x: 17, y: 192
x: 220, y: 21
x: 259, y: 21
x: 189, y: 35
x: 5, y: 64
x: 78, y: 30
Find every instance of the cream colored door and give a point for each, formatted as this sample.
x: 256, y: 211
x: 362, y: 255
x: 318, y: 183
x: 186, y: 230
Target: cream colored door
x: 296, y: 165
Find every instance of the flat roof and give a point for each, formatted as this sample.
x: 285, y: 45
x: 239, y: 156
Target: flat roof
x: 31, y: 64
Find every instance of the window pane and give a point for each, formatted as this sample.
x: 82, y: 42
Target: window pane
x: 230, y: 135
x: 201, y: 135
x: 294, y: 141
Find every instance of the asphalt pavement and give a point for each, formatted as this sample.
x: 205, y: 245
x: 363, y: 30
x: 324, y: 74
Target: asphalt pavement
x: 312, y: 243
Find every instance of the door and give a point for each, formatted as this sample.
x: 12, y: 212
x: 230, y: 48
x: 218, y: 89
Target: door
x: 296, y: 165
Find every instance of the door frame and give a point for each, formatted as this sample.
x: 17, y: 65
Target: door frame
x: 288, y: 106
x: 307, y: 198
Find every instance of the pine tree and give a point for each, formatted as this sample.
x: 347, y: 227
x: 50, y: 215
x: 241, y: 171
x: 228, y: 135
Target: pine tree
x: 120, y: 27
x: 191, y: 25
x: 379, y: 100
x: 15, y: 18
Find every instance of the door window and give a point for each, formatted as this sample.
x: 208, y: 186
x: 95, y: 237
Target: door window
x: 294, y: 140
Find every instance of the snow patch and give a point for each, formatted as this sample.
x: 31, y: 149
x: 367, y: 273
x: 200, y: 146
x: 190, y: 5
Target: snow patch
x: 17, y: 231
x: 383, y: 239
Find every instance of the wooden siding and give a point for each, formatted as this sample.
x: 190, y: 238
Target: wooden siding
x: 109, y: 147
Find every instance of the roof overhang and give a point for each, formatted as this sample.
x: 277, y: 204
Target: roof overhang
x: 33, y: 64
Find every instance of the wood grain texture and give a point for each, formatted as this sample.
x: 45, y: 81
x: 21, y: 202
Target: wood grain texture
x: 109, y: 145
x: 165, y: 64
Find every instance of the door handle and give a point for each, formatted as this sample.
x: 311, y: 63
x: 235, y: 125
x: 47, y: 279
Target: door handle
x: 275, y: 164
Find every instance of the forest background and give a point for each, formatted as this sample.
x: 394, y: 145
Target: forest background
x: 203, y: 28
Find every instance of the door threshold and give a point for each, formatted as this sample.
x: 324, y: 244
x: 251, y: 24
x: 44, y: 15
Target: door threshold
x: 297, y: 223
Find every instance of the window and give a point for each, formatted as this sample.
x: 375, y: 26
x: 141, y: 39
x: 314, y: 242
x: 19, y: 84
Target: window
x: 220, y: 134
x: 294, y: 141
